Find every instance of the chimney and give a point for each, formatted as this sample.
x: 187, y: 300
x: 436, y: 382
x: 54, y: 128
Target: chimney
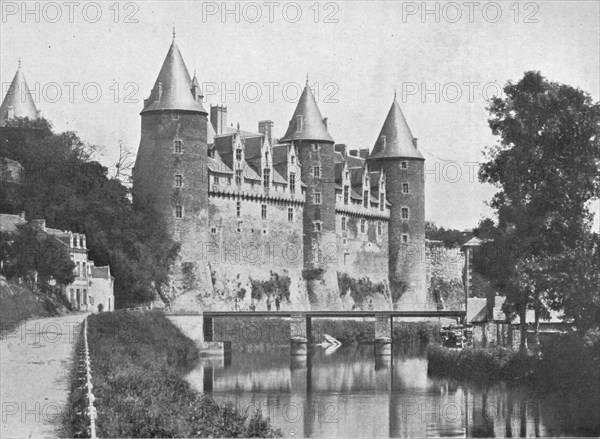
x: 218, y: 118
x: 415, y: 141
x: 266, y: 127
x: 363, y: 153
x: 39, y: 224
x: 353, y: 152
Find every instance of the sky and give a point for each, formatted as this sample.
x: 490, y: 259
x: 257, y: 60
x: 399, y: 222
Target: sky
x: 91, y: 64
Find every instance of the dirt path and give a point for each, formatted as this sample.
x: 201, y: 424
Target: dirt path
x: 35, y: 362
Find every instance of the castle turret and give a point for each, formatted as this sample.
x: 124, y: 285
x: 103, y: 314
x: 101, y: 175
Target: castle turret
x: 396, y: 153
x: 171, y: 165
x: 307, y: 131
x: 18, y: 101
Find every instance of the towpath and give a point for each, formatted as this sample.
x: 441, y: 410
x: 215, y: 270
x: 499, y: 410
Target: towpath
x: 35, y: 363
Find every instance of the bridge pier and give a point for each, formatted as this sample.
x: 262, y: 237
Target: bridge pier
x: 300, y: 334
x: 383, y: 335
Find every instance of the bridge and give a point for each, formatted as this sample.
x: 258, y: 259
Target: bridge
x: 301, y: 323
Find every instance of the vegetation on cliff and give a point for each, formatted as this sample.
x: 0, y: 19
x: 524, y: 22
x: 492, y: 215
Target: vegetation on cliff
x: 65, y: 186
x: 138, y: 364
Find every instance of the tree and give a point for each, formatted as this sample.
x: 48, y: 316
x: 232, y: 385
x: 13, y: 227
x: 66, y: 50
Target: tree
x: 547, y: 167
x: 72, y: 192
x: 32, y: 252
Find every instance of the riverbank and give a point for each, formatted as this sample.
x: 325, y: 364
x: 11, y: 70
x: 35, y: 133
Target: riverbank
x: 139, y: 360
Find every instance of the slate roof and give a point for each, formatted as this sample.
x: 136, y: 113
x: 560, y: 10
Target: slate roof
x: 18, y: 96
x: 313, y: 127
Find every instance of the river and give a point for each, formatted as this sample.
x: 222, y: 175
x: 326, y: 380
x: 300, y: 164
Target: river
x: 349, y: 393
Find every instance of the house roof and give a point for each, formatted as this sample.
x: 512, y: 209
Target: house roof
x: 9, y: 223
x: 101, y: 272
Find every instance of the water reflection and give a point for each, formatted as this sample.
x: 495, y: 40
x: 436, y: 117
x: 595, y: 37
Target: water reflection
x: 352, y: 393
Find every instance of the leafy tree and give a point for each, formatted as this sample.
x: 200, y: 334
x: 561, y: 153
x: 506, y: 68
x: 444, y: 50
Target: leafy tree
x: 451, y: 238
x: 73, y: 192
x: 31, y: 251
x: 547, y: 167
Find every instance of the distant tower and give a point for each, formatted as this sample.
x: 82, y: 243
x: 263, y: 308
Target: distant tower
x: 171, y: 164
x: 308, y: 132
x: 18, y: 101
x: 396, y: 152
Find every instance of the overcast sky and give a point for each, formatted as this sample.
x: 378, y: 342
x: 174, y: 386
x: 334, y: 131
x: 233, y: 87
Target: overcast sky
x: 443, y: 62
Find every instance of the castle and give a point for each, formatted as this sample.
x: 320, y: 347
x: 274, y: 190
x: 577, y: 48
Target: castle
x: 247, y: 205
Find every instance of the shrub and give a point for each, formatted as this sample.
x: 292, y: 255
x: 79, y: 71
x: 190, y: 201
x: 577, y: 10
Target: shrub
x: 360, y: 289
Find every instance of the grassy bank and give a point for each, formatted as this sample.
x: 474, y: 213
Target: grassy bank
x: 247, y: 330
x: 567, y: 362
x: 138, y: 364
x: 19, y: 303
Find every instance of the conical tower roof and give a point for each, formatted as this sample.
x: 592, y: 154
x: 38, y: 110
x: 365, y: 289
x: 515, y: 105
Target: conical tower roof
x: 176, y: 84
x: 395, y: 139
x: 18, y: 99
x: 311, y: 126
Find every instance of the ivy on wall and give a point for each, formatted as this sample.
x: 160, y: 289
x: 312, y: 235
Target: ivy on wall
x: 360, y: 289
x: 276, y: 285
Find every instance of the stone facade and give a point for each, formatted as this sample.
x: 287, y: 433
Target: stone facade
x: 245, y: 205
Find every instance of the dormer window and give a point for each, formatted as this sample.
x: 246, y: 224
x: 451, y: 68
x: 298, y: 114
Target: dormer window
x: 266, y: 177
x: 366, y: 199
x: 383, y: 141
x: 382, y: 202
x: 178, y: 146
x: 299, y: 123
x: 238, y: 154
x: 292, y: 182
x: 347, y: 175
x: 267, y: 157
x: 346, y: 194
x: 293, y: 159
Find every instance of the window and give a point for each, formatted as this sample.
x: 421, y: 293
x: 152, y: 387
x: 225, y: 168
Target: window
x: 178, y: 146
x: 379, y: 228
x: 405, y: 188
x: 179, y: 180
x: 405, y: 213
x: 346, y: 194
x: 344, y: 223
x: 238, y: 154
x: 78, y: 269
x: 266, y: 177
x: 365, y: 198
x: 292, y: 182
x: 72, y: 295
x: 317, y: 197
x: 263, y: 211
x: 404, y: 165
x: 317, y: 226
x: 299, y: 123
x: 175, y: 116
x: 213, y: 230
x: 363, y: 225
x: 381, y: 202
x: 229, y: 180
x: 178, y: 211
x: 85, y: 296
x: 238, y: 208
x: 316, y: 171
x: 315, y: 147
x: 216, y: 179
x: 383, y: 141
x: 290, y: 214
x: 347, y: 175
x: 293, y: 160
x: 404, y: 238
x: 238, y: 177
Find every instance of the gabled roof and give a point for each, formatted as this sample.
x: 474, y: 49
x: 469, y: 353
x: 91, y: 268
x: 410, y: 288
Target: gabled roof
x: 176, y: 86
x: 312, y: 127
x: 399, y: 141
x: 18, y: 97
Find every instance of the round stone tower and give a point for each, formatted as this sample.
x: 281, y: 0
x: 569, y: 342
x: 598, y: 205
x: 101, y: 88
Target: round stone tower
x: 308, y: 132
x: 170, y: 172
x: 395, y: 152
